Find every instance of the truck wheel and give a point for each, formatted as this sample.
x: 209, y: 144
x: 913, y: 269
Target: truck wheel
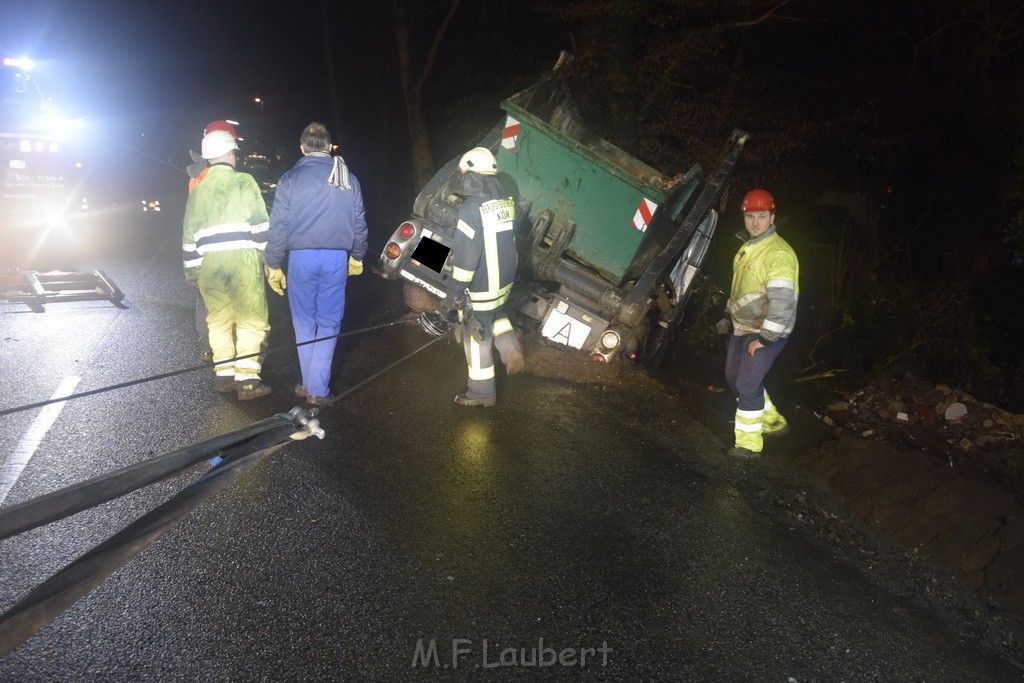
x: 419, y: 300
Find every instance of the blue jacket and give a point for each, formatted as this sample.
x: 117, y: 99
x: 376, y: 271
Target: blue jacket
x: 310, y: 214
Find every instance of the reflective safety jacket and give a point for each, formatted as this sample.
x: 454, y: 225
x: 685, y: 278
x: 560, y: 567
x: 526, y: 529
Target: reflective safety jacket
x: 765, y: 287
x: 484, y: 251
x: 224, y: 212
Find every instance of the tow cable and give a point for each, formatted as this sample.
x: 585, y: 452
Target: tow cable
x: 229, y: 455
x: 196, y: 368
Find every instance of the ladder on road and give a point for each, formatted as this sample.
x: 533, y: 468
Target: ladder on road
x: 34, y: 289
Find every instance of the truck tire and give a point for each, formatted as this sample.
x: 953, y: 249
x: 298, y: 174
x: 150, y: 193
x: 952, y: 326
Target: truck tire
x: 419, y: 300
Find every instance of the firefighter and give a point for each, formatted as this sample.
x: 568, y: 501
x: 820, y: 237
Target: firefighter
x: 225, y: 233
x: 762, y: 313
x: 483, y: 268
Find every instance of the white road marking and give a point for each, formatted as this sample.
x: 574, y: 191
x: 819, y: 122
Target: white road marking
x: 28, y: 444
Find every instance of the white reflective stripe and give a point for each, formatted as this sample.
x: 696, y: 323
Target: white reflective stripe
x: 260, y: 227
x: 767, y: 401
x: 781, y: 284
x: 489, y: 306
x: 225, y: 370
x: 194, y: 262
x: 461, y: 274
x: 491, y: 254
x: 501, y: 326
x: 749, y: 428
x: 749, y: 414
x: 245, y: 377
x: 772, y: 326
x: 247, y: 364
x: 228, y: 246
x: 475, y: 371
x: 221, y: 229
x: 747, y: 298
x: 465, y: 229
x: 503, y: 227
x: 491, y: 296
x: 481, y: 373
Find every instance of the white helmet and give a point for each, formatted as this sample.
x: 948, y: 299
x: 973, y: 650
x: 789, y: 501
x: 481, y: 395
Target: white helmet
x: 217, y: 143
x: 479, y: 160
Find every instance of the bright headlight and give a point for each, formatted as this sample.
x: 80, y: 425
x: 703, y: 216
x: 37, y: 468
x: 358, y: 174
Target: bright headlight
x: 610, y: 339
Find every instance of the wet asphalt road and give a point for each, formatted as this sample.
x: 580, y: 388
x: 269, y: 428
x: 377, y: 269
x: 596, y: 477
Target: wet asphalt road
x: 569, y: 521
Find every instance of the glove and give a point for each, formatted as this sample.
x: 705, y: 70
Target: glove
x: 276, y: 279
x: 724, y: 326
x: 354, y: 267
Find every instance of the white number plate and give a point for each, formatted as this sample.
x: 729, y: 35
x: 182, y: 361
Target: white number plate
x: 565, y: 329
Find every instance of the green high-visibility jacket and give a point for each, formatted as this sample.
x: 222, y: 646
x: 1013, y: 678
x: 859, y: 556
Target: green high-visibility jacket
x: 224, y: 212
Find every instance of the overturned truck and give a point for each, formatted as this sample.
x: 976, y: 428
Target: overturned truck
x: 609, y: 248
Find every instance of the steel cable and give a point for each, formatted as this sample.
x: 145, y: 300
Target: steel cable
x: 195, y: 368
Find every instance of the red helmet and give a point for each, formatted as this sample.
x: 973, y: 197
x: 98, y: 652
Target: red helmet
x: 228, y: 126
x: 758, y: 200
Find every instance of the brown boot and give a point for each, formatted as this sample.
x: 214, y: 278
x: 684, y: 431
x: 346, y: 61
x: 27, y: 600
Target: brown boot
x: 224, y: 383
x: 250, y: 389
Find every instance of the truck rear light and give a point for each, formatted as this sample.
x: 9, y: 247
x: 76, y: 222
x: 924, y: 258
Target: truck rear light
x: 597, y: 357
x: 392, y: 251
x: 406, y: 231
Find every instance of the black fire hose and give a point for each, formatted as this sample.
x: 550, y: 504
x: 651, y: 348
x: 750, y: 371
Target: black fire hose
x: 92, y: 492
x: 77, y: 579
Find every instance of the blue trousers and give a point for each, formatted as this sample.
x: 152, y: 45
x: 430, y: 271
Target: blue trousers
x: 316, y: 295
x: 745, y: 376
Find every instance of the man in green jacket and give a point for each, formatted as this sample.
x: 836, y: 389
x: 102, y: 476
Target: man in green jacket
x: 224, y: 236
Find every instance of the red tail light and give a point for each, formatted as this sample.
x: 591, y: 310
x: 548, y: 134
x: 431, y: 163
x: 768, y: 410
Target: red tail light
x: 406, y: 231
x: 392, y: 251
x: 597, y: 357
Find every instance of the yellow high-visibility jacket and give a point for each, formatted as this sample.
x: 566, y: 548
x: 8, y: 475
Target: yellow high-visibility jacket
x: 765, y: 287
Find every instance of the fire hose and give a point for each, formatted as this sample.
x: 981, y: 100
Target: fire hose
x: 229, y: 455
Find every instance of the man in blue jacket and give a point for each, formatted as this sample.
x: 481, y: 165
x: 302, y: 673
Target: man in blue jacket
x: 319, y: 221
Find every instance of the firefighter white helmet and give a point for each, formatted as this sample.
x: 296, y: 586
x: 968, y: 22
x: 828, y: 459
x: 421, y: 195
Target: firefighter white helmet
x: 478, y: 160
x: 217, y: 143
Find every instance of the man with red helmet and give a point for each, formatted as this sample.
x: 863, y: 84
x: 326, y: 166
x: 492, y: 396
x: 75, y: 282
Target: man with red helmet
x: 762, y: 313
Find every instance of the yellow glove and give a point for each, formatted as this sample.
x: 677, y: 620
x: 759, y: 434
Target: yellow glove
x: 276, y: 279
x: 354, y: 267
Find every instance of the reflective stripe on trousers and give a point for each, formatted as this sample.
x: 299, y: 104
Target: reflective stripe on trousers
x: 745, y: 376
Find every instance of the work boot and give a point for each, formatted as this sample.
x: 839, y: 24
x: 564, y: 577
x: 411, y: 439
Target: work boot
x: 224, y: 383
x: 301, y: 391
x: 250, y: 389
x: 206, y: 356
x: 317, y: 400
x: 464, y: 400
x: 742, y: 453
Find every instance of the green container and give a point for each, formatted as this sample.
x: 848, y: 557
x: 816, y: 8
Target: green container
x: 609, y: 194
